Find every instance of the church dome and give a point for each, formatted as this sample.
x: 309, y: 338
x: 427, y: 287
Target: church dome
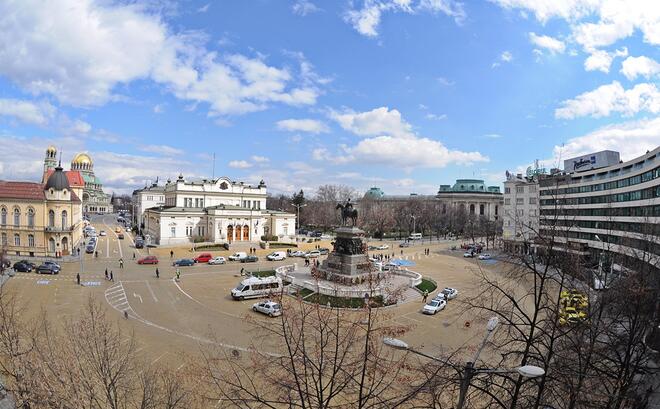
x: 58, y: 180
x: 81, y: 159
x: 51, y: 148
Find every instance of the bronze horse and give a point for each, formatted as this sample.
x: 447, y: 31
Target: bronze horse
x: 347, y: 212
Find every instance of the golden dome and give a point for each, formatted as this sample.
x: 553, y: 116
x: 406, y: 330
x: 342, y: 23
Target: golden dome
x: 51, y: 148
x: 81, y: 159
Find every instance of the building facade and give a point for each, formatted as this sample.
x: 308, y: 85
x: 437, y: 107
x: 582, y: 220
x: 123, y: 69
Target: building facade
x: 38, y: 219
x: 146, y: 198
x: 218, y: 210
x: 94, y: 199
x: 469, y: 195
x: 612, y: 207
x: 520, y: 215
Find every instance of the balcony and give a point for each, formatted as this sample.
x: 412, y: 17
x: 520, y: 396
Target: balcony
x: 59, y: 229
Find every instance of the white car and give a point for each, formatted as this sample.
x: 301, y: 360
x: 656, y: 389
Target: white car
x: 218, y: 260
x: 382, y: 247
x: 276, y: 256
x: 469, y: 254
x: 450, y: 293
x: 313, y: 254
x: 440, y: 296
x: 484, y: 256
x: 434, y: 306
x: 297, y: 253
x: 102, y: 233
x: 270, y: 308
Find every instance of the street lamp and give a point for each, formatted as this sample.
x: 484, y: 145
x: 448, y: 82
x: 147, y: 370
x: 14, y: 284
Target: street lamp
x: 298, y: 206
x: 469, y: 371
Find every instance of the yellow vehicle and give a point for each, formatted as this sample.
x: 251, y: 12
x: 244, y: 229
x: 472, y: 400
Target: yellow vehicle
x: 570, y: 315
x: 118, y: 230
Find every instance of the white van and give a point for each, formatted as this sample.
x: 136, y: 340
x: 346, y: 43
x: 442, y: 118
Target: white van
x: 257, y: 287
x: 276, y: 256
x: 238, y: 256
x: 415, y: 236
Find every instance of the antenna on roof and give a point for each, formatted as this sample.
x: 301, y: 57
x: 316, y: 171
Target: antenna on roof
x: 60, y: 164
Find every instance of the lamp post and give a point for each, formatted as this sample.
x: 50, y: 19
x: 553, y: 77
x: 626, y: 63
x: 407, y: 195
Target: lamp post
x: 298, y: 206
x: 469, y: 371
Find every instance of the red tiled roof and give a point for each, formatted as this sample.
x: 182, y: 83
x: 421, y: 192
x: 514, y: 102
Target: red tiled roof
x: 21, y: 190
x: 73, y: 176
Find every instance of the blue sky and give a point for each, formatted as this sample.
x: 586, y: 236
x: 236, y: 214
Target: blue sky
x: 402, y: 94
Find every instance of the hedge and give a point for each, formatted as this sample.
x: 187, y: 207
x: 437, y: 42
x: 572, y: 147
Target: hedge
x: 427, y: 285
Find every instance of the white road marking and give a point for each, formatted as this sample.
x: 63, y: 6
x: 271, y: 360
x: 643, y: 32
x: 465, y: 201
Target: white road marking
x: 199, y: 302
x: 158, y: 359
x: 138, y: 296
x: 151, y: 291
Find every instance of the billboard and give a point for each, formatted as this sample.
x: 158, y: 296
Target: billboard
x: 591, y: 161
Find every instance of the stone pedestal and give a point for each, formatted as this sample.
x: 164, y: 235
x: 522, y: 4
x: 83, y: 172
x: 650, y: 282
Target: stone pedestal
x: 348, y: 257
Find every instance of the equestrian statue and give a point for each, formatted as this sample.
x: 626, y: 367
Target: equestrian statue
x: 347, y: 212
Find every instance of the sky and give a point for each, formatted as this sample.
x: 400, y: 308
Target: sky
x: 405, y: 95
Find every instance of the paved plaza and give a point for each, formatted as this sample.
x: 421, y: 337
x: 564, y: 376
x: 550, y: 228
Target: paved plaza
x: 171, y: 319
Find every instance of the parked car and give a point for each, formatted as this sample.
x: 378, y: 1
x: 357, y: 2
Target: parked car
x: 238, y: 256
x: 54, y: 265
x: 440, y: 296
x: 139, y: 243
x: 270, y: 308
x: 297, y: 253
x: 47, y: 269
x: 404, y: 244
x: 313, y: 254
x: 184, y: 262
x: 148, y: 260
x: 276, y: 256
x: 29, y: 263
x: 450, y: 293
x: 468, y: 254
x: 324, y: 251
x: 434, y: 306
x: 203, y: 258
x: 382, y: 247
x: 22, y: 267
x: 103, y: 233
x: 217, y: 260
x: 484, y: 256
x: 120, y: 236
x: 250, y: 259
x: 89, y: 249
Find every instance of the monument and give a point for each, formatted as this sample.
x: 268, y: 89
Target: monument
x: 348, y: 262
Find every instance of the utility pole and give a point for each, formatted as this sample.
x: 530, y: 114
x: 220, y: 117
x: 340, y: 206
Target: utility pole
x: 298, y: 206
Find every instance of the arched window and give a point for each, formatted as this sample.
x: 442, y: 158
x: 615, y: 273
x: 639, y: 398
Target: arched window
x: 3, y: 216
x: 64, y: 219
x: 31, y: 240
x: 51, y: 218
x: 30, y: 217
x: 471, y: 209
x: 51, y: 244
x: 17, y: 239
x: 17, y: 217
x: 482, y: 209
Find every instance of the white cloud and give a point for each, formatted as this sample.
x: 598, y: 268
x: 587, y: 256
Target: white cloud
x: 304, y: 7
x: 162, y: 150
x: 302, y: 125
x: 159, y: 108
x: 81, y: 127
x: 239, y: 164
x: 493, y: 135
x: 365, y: 20
x: 548, y: 43
x: 378, y: 121
x: 505, y: 57
x: 632, y: 67
x: 445, y: 82
x: 26, y: 111
x: 204, y: 8
x: 259, y: 159
x: 631, y: 139
x: 435, y: 117
x: 602, y: 60
x: 117, y: 43
x: 612, y: 98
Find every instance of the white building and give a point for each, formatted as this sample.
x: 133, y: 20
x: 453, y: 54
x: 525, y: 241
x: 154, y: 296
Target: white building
x: 146, y: 198
x: 520, y: 221
x: 219, y: 211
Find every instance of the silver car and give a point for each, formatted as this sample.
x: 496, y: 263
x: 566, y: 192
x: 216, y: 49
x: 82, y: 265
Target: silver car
x: 270, y: 308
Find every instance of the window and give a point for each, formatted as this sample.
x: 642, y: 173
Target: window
x: 64, y: 219
x: 189, y: 230
x: 173, y: 231
x: 51, y: 218
x: 496, y: 209
x: 507, y: 190
x: 17, y: 239
x: 520, y: 189
x: 4, y: 239
x: 471, y: 209
x: 520, y: 200
x: 17, y: 217
x: 520, y: 212
x: 30, y: 240
x: 200, y: 231
x: 3, y: 216
x: 532, y: 200
x: 482, y: 209
x: 30, y: 217
x: 507, y: 201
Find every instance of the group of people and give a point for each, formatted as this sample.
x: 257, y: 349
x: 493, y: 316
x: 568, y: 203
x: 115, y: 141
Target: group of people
x: 314, y: 262
x: 253, y: 250
x: 109, y: 277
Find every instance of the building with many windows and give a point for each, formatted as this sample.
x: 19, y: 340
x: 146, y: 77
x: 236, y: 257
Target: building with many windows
x: 215, y: 210
x: 38, y: 219
x: 610, y: 208
x: 146, y: 198
x: 520, y: 215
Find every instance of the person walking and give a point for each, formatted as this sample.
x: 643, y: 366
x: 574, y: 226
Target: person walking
x: 106, y: 274
x: 178, y: 274
x: 121, y: 263
x: 112, y: 277
x: 133, y: 255
x: 425, y: 295
x: 157, y: 273
x: 78, y: 278
x: 171, y: 253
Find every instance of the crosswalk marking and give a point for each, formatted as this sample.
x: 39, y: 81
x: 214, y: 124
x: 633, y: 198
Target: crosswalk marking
x: 116, y: 297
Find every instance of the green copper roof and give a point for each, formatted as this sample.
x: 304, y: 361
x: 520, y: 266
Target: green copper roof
x: 374, y: 193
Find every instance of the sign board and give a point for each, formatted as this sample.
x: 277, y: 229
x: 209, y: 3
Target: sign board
x: 91, y: 283
x: 43, y: 282
x: 591, y: 161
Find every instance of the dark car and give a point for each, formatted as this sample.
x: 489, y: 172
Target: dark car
x: 29, y: 263
x: 22, y: 267
x: 47, y: 269
x: 250, y: 259
x: 139, y: 243
x: 404, y: 244
x: 317, y: 234
x: 120, y: 236
x: 54, y: 266
x: 324, y: 251
x: 184, y: 262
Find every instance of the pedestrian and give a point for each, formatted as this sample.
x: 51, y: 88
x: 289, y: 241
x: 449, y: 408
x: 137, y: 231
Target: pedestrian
x: 96, y: 254
x: 112, y: 277
x: 171, y: 253
x: 402, y: 252
x: 78, y: 278
x: 133, y: 255
x: 157, y: 273
x: 242, y: 270
x: 425, y: 295
x: 121, y: 263
x: 178, y: 274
